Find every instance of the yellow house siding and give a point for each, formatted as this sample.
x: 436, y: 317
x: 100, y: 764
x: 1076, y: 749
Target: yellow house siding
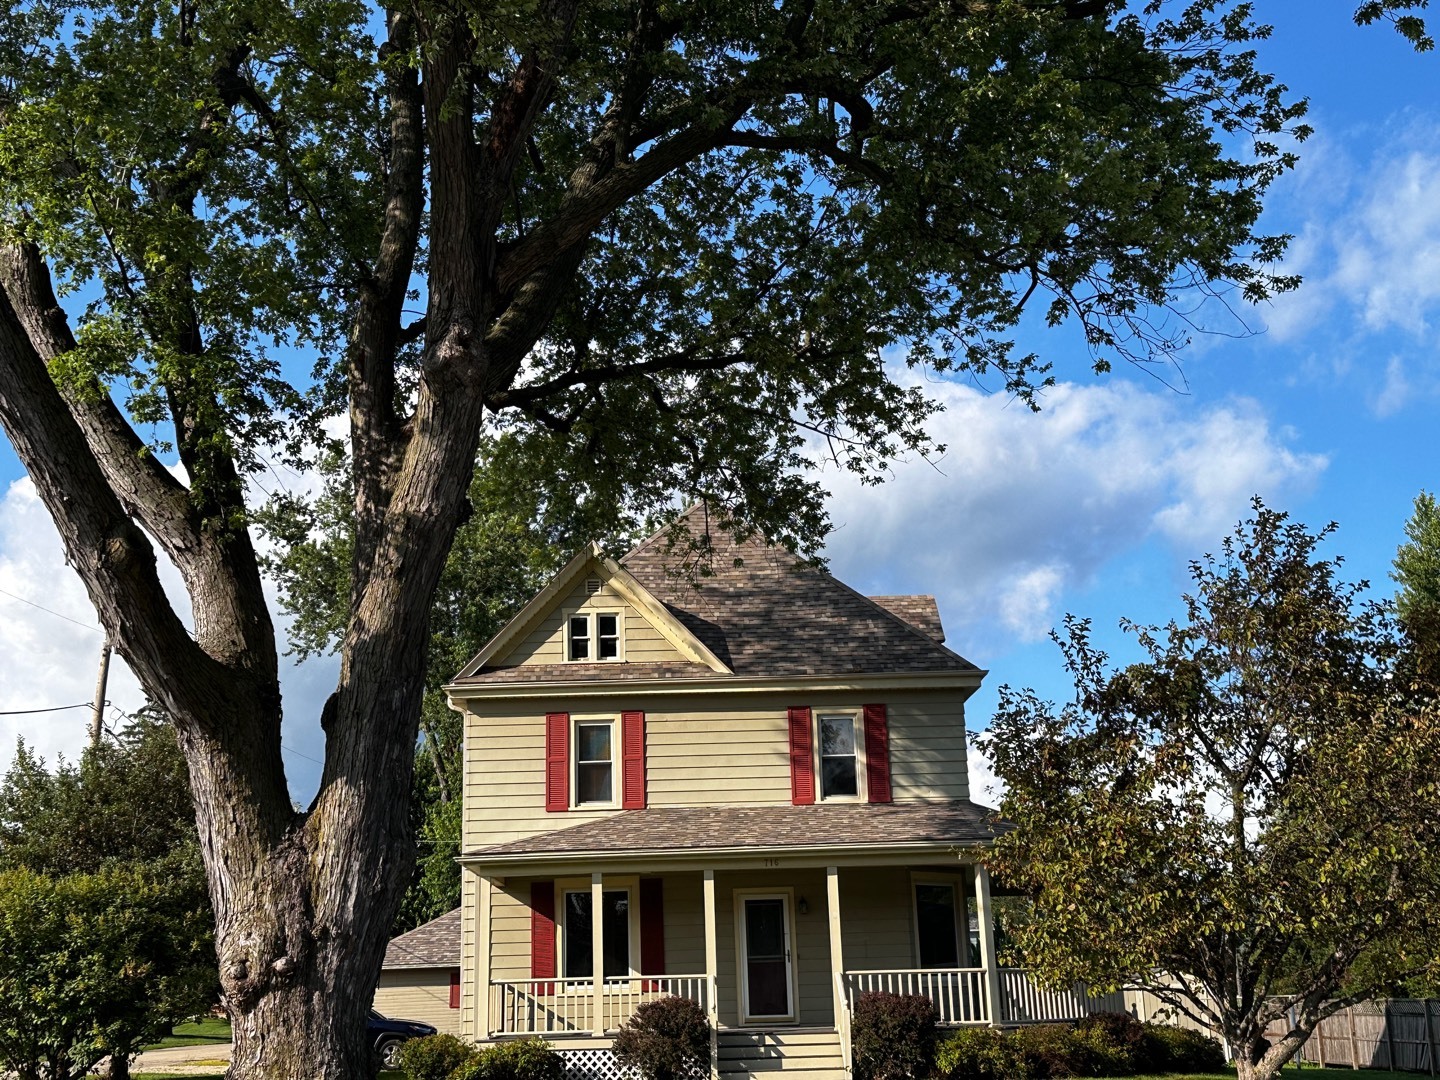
x: 421, y: 994
x: 927, y: 748
x: 510, y: 930
x: 700, y: 750
x: 875, y: 920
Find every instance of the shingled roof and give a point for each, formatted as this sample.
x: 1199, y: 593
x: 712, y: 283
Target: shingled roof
x: 764, y: 613
x: 663, y: 830
x: 774, y: 615
x: 434, y: 944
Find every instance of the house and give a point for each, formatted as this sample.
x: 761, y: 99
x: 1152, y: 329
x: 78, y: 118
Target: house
x: 420, y: 976
x: 752, y: 793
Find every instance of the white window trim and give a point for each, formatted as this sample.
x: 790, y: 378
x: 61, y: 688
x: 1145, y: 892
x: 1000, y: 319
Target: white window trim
x: 592, y: 632
x: 857, y: 720
x: 962, y: 916
x: 792, y: 966
x: 584, y: 984
x: 615, y: 778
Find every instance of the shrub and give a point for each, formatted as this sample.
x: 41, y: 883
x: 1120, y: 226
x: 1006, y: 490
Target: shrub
x: 894, y: 1036
x: 1043, y: 1051
x: 666, y: 1039
x: 523, y: 1059
x: 1173, y: 1049
x: 434, y: 1057
x: 975, y: 1052
x: 1115, y: 1041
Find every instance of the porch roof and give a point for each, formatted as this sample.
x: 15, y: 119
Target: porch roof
x: 700, y: 829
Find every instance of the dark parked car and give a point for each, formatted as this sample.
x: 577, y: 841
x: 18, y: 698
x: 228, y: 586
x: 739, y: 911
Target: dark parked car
x: 387, y: 1036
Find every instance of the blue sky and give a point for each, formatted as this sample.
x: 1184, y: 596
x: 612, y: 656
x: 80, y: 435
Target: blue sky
x: 1095, y: 505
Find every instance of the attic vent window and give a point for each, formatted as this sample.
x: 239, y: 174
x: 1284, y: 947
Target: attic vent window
x: 594, y: 636
x: 592, y: 586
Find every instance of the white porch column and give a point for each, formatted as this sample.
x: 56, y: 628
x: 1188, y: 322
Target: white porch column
x: 597, y: 950
x: 484, y: 1008
x: 712, y: 965
x: 986, y: 918
x: 837, y: 952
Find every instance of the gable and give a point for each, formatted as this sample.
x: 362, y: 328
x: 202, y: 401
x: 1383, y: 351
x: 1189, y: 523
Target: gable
x: 535, y: 639
x: 641, y: 641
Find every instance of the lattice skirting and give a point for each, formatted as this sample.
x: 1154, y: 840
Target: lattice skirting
x: 595, y: 1065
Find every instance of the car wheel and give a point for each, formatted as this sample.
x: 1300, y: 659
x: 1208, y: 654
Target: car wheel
x: 389, y: 1051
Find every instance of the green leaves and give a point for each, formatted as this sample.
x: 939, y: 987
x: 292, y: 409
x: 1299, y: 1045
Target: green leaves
x: 1247, y: 820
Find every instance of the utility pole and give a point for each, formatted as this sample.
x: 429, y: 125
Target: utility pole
x: 99, y: 714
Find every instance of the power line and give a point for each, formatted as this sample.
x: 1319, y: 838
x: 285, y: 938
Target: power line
x: 53, y: 708
x: 42, y: 607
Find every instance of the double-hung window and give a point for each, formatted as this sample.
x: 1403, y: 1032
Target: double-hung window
x: 594, y: 762
x: 593, y: 636
x: 578, y: 952
x: 839, y: 764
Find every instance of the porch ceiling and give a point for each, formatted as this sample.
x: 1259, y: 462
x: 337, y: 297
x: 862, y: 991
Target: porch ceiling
x: 679, y: 832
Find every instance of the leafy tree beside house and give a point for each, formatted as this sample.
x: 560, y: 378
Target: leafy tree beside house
x: 1248, y: 821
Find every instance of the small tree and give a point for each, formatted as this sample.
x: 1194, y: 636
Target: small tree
x: 94, y: 965
x: 1248, y: 823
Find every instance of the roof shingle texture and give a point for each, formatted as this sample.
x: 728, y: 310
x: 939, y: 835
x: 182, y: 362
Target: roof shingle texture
x: 774, y: 615
x: 435, y: 944
x: 920, y: 612
x: 670, y: 829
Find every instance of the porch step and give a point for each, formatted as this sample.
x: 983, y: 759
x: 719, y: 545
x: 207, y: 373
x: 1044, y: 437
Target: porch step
x: 800, y: 1055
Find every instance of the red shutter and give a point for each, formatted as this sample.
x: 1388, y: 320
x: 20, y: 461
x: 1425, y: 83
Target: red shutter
x: 632, y: 752
x: 454, y: 988
x: 542, y: 931
x: 877, y: 753
x: 652, y: 928
x: 557, y: 762
x: 802, y: 763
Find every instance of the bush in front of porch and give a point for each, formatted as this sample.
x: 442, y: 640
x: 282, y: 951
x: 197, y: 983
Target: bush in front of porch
x: 444, y: 1057
x: 894, y: 1036
x: 666, y: 1039
x: 1111, y: 1044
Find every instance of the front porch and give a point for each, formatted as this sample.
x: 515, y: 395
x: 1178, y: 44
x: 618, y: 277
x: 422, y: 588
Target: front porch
x: 777, y: 953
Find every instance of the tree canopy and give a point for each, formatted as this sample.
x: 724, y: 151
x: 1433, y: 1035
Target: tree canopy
x: 1246, y: 822
x: 661, y: 247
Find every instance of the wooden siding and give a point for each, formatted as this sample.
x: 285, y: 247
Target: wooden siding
x: 702, y: 750
x: 421, y: 994
x: 545, y: 643
x: 469, y: 951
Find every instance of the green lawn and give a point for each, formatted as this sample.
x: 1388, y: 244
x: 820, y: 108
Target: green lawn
x: 204, y: 1032
x: 1290, y: 1072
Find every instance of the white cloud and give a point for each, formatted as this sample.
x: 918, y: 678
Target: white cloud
x: 1367, y: 243
x: 986, y: 788
x: 1026, y: 506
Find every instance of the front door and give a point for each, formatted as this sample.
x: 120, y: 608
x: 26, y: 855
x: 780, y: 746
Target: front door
x: 767, y: 978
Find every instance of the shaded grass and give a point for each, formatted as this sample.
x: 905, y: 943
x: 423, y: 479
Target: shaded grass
x: 1290, y: 1072
x: 207, y: 1031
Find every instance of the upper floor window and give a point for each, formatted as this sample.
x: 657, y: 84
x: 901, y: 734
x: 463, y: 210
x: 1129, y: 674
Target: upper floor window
x: 839, y: 766
x: 595, y: 762
x: 593, y: 636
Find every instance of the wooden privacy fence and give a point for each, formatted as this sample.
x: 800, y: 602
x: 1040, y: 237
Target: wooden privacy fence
x: 1398, y: 1035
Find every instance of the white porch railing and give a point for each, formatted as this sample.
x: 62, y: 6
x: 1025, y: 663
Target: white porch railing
x: 569, y: 1007
x: 1022, y: 1002
x: 958, y: 993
